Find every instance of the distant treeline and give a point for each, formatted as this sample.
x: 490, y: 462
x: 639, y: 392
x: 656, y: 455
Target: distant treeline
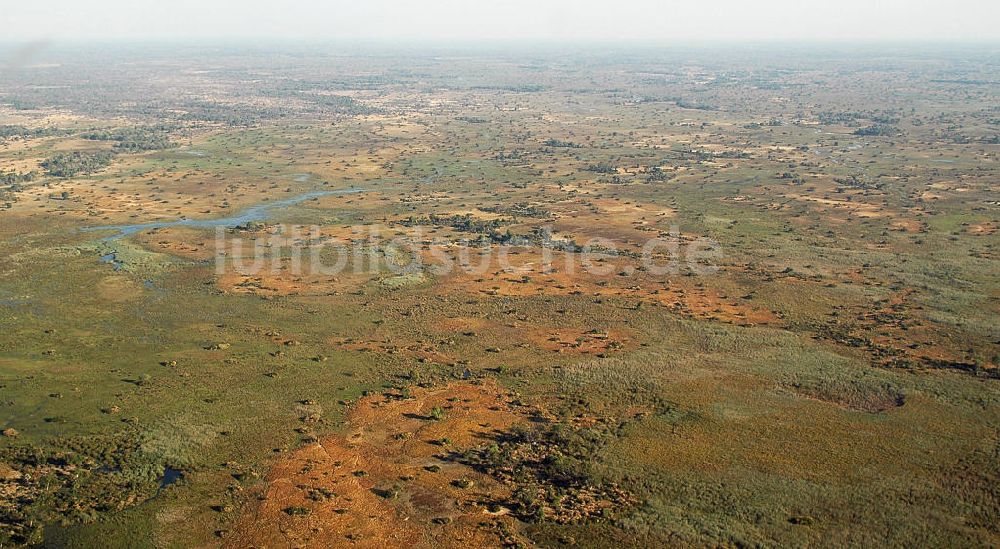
x: 341, y: 104
x: 22, y: 105
x: 522, y: 88
x: 236, y: 116
x: 966, y: 82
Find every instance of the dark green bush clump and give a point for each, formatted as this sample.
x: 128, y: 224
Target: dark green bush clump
x: 77, y: 163
x: 133, y: 139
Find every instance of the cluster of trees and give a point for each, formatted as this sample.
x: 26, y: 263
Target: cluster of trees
x: 856, y: 181
x: 13, y: 178
x: 852, y: 118
x: 76, y: 163
x: 657, y: 175
x: 520, y: 209
x: 772, y: 123
x: 517, y: 157
x: 13, y: 181
x: 602, y: 167
x: 878, y: 130
x: 685, y: 104
x: 465, y: 223
x: 794, y: 178
x: 133, y: 139
x: 9, y: 131
x: 516, y: 154
x: 553, y: 467
x: 560, y: 143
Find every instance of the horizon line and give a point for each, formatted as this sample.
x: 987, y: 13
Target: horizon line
x: 277, y: 40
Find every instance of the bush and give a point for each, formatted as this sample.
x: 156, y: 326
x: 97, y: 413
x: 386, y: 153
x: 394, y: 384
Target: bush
x: 76, y: 163
x: 133, y: 139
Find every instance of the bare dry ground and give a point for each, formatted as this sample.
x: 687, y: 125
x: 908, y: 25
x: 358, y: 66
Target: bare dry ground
x: 383, y: 483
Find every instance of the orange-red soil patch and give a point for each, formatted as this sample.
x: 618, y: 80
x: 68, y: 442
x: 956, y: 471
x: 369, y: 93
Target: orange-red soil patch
x: 380, y: 484
x: 982, y: 229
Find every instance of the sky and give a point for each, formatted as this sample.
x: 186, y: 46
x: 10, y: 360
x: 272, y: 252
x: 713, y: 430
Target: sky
x: 666, y: 21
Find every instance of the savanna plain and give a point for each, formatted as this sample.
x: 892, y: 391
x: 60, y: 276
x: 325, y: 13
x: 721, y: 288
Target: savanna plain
x: 318, y: 296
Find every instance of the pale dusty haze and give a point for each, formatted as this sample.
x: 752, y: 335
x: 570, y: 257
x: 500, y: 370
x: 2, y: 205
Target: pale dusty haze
x: 464, y: 20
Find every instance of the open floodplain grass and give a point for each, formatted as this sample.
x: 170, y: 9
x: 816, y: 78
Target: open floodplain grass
x: 136, y: 373
x: 723, y: 477
x: 833, y: 383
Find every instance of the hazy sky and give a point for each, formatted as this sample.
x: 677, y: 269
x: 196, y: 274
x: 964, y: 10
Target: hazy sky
x: 565, y: 20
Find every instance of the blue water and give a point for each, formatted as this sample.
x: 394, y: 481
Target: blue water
x: 170, y: 476
x: 260, y: 212
x: 112, y: 259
